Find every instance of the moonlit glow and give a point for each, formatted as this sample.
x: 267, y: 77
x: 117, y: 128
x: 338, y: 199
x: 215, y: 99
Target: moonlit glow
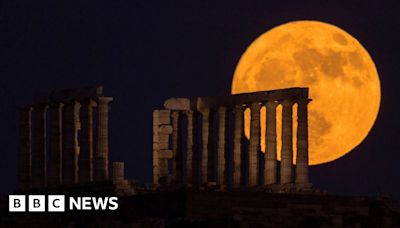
x: 343, y: 81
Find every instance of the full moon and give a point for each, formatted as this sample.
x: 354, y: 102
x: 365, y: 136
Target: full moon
x: 341, y: 76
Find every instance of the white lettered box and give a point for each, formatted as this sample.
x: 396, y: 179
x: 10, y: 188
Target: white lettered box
x: 37, y: 203
x: 16, y: 203
x: 56, y: 203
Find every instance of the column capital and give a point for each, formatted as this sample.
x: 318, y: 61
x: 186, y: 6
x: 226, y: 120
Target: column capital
x: 71, y: 102
x: 189, y: 112
x: 25, y: 108
x: 40, y: 106
x: 56, y: 105
x: 287, y: 102
x: 89, y: 102
x: 175, y: 115
x: 222, y: 109
x: 246, y: 105
x: 205, y: 111
x: 303, y: 101
x: 255, y: 106
x: 105, y: 99
x: 239, y: 108
x: 271, y: 104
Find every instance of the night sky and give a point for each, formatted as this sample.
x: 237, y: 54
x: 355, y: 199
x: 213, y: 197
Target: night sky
x: 144, y: 52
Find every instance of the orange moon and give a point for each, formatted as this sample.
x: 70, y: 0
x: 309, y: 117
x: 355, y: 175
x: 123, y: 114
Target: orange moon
x: 342, y: 78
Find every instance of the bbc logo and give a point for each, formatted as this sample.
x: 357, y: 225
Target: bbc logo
x: 58, y: 203
x: 36, y: 203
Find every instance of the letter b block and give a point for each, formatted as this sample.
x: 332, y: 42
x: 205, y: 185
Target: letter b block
x: 37, y: 203
x: 16, y: 203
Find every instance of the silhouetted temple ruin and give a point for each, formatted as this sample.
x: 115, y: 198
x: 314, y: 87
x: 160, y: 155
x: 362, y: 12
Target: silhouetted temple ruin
x: 64, y: 140
x: 205, y: 171
x: 197, y: 143
x: 187, y: 162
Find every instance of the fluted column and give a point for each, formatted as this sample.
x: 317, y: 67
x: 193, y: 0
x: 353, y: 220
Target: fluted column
x: 302, y: 143
x: 156, y: 150
x: 237, y: 146
x: 86, y: 142
x: 24, y: 158
x: 161, y: 148
x: 221, y: 146
x: 287, y: 142
x: 189, y: 151
x: 270, y: 174
x: 40, y: 153
x: 118, y: 171
x: 101, y: 154
x: 71, y: 126
x: 175, y: 172
x: 55, y: 144
x: 254, y: 144
x: 205, y: 145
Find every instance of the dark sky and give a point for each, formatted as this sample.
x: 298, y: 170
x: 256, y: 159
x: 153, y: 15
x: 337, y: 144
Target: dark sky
x: 145, y: 52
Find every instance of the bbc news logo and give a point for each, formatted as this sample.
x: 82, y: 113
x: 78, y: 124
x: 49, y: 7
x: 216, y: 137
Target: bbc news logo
x: 58, y: 203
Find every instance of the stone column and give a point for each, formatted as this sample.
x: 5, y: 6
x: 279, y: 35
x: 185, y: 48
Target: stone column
x: 270, y: 174
x: 55, y: 144
x: 189, y: 151
x: 287, y: 142
x: 302, y: 144
x: 86, y: 142
x: 221, y: 147
x: 71, y: 126
x: 205, y: 145
x: 237, y: 146
x: 101, y: 155
x: 40, y: 153
x: 254, y: 147
x: 118, y: 171
x: 175, y: 172
x: 24, y: 157
x: 156, y: 153
x: 162, y: 131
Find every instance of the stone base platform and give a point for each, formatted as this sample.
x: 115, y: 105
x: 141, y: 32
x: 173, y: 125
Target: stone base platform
x: 101, y: 188
x: 291, y: 188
